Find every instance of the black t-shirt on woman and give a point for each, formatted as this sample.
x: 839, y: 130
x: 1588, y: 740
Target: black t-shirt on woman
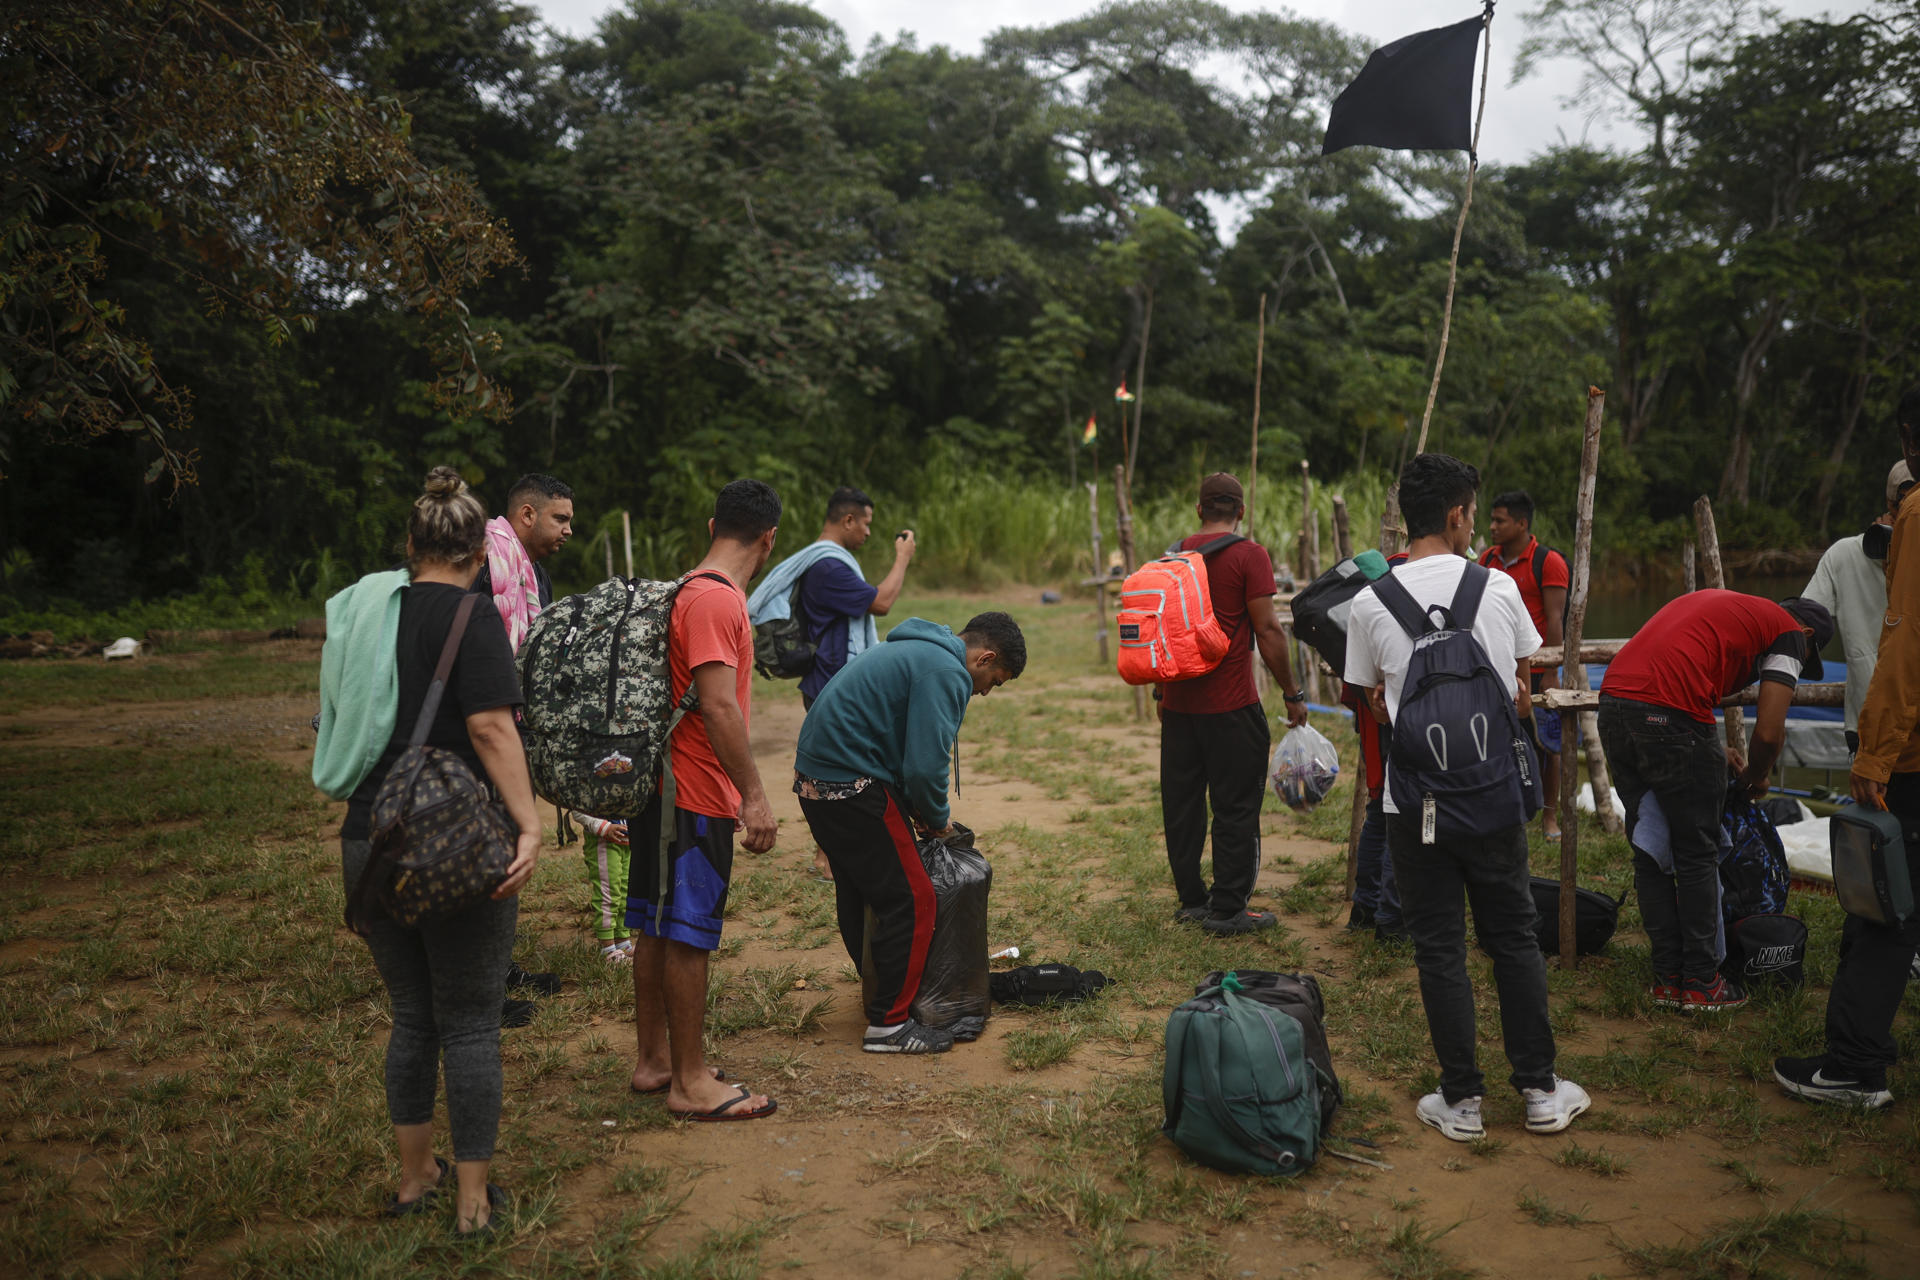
x: 483, y: 678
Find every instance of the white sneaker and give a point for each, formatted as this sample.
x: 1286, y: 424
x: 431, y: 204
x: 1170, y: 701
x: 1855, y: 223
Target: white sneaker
x: 1461, y: 1121
x: 1551, y: 1110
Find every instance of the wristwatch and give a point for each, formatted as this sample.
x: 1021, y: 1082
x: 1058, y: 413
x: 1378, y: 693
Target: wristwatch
x: 1293, y: 697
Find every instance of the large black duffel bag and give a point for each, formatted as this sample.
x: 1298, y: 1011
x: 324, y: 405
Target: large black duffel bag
x: 1595, y: 917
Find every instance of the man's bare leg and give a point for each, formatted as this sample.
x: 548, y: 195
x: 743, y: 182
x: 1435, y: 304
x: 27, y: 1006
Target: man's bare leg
x: 670, y: 1014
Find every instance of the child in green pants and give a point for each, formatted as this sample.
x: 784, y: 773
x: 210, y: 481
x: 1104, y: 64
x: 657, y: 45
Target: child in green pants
x: 604, y: 842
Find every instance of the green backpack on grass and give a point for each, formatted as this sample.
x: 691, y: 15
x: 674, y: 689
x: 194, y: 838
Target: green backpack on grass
x: 1240, y: 1092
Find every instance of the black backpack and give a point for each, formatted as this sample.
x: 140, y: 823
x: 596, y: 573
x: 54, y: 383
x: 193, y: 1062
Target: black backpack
x: 1321, y: 611
x: 1595, y: 917
x: 781, y: 650
x: 1298, y: 996
x: 1459, y: 758
x: 1766, y: 951
x: 1036, y: 984
x: 1753, y: 873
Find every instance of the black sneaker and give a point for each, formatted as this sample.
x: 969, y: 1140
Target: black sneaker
x: 1190, y: 915
x: 909, y: 1037
x: 1248, y: 921
x: 1359, y: 918
x: 516, y: 1013
x: 545, y: 984
x: 1392, y: 935
x: 1812, y: 1079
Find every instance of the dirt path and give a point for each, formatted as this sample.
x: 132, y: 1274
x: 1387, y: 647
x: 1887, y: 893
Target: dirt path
x: 847, y: 1179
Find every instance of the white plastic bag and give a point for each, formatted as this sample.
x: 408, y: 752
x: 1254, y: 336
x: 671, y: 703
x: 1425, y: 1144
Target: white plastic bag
x: 1304, y: 768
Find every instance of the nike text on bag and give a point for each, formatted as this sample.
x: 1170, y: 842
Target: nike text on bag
x: 1166, y: 622
x: 1871, y: 874
x: 1320, y: 612
x: 1240, y: 1091
x: 1459, y: 760
x: 599, y: 697
x: 441, y: 843
x: 781, y: 650
x: 1766, y: 951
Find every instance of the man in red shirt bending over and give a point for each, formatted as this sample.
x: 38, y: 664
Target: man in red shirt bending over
x: 1656, y: 723
x: 1213, y: 730
x: 1541, y: 574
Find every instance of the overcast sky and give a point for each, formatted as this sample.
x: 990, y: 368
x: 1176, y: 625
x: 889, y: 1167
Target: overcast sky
x: 1520, y: 120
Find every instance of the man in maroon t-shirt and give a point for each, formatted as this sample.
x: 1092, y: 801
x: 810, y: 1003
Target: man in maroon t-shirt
x: 1656, y: 723
x: 1213, y: 734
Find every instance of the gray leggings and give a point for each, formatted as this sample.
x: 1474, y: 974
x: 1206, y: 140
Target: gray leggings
x: 446, y: 980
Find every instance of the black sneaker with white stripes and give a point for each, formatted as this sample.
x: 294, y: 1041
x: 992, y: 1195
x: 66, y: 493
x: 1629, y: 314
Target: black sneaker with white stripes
x: 908, y: 1037
x: 1816, y: 1081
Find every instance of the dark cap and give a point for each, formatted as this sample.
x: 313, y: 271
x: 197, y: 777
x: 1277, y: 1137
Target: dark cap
x: 1222, y: 485
x: 1811, y: 613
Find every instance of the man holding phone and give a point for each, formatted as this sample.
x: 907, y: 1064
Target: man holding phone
x: 1876, y: 959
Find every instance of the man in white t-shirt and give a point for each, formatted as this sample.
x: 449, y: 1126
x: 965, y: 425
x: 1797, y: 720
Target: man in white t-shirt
x: 1436, y: 879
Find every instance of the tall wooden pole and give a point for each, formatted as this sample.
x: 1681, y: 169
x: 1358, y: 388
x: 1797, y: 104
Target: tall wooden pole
x: 1688, y: 576
x: 1124, y: 517
x: 626, y: 528
x: 606, y: 540
x: 1390, y: 529
x: 1716, y: 579
x: 1576, y: 671
x: 1259, y: 366
x: 1099, y: 574
x: 1460, y: 227
x: 1343, y: 544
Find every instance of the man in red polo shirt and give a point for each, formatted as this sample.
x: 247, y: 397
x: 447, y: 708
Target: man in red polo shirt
x: 1656, y: 723
x: 1213, y: 730
x: 1541, y: 574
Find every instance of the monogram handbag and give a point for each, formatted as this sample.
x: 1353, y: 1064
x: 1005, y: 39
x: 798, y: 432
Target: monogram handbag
x: 440, y: 842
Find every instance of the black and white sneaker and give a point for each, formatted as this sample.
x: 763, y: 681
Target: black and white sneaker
x: 1810, y: 1078
x: 908, y: 1037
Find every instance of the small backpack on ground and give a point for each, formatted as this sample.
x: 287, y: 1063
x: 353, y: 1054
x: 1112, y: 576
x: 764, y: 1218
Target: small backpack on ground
x: 1240, y: 1091
x: 440, y: 842
x: 1766, y: 951
x: 1753, y: 871
x: 1037, y: 984
x: 1320, y: 612
x: 1298, y: 996
x: 599, y: 698
x: 1459, y: 757
x: 781, y: 650
x: 1167, y: 627
x: 1595, y: 917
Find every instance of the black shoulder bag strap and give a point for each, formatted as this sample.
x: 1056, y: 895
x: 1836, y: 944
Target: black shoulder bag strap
x: 356, y: 912
x: 1400, y: 603
x: 1467, y: 596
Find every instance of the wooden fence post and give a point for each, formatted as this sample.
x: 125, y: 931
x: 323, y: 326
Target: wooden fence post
x: 1099, y: 575
x: 1575, y: 670
x: 1687, y: 575
x: 1124, y: 517
x: 1716, y: 579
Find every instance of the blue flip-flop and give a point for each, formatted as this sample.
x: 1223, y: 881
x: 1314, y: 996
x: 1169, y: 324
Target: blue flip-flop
x: 725, y: 1111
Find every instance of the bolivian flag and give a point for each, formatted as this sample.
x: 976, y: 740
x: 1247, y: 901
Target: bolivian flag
x: 1086, y: 437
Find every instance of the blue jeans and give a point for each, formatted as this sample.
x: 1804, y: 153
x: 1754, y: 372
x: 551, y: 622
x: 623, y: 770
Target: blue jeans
x: 1374, y: 887
x: 1490, y: 873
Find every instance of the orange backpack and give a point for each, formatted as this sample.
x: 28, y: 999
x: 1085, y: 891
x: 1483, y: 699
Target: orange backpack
x: 1167, y: 628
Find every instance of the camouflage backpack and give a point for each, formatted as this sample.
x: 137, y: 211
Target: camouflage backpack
x: 599, y: 697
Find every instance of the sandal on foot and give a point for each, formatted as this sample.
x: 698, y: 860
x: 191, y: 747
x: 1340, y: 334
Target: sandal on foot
x: 725, y: 1111
x: 617, y: 953
x: 719, y: 1073
x: 497, y: 1202
x: 422, y: 1202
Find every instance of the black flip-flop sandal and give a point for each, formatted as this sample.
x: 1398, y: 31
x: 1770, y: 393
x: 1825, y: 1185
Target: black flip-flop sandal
x: 725, y: 1111
x: 719, y: 1073
x: 426, y: 1198
x: 497, y: 1202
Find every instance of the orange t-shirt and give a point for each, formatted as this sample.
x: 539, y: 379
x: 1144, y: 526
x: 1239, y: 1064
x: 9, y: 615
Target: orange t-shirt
x: 709, y: 625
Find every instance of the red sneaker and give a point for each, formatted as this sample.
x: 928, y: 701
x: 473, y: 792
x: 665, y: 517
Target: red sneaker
x: 1665, y: 994
x: 1711, y: 997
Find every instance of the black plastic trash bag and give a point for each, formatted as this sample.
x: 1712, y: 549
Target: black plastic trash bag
x: 954, y: 991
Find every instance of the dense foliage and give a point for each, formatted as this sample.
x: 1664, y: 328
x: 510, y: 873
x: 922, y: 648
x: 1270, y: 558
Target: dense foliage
x: 737, y: 247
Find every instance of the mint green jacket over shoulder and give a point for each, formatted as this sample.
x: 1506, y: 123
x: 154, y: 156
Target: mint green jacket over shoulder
x: 359, y: 681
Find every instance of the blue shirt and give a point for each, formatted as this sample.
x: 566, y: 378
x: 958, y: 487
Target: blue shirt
x: 831, y: 594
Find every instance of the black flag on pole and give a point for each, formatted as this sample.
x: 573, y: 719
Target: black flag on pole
x: 1415, y: 94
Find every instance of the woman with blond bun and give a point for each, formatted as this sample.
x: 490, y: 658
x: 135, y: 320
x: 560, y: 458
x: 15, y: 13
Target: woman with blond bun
x: 445, y: 976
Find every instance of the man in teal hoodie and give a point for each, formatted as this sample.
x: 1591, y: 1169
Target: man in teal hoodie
x: 871, y: 770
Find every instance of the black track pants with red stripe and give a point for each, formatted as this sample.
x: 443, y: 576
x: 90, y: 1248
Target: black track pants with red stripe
x: 876, y: 863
